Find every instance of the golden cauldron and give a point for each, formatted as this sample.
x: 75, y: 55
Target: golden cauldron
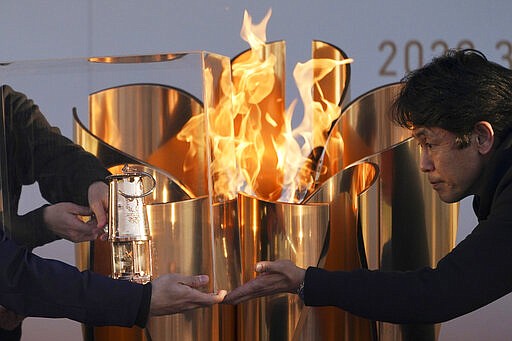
x: 355, y: 215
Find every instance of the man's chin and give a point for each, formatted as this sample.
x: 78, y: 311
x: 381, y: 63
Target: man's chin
x: 448, y: 197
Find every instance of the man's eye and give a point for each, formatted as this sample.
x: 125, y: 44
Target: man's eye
x: 425, y: 145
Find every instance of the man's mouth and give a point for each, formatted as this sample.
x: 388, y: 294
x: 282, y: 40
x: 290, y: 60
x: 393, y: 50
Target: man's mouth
x: 435, y: 184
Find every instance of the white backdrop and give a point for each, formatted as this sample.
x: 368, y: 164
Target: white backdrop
x: 385, y: 38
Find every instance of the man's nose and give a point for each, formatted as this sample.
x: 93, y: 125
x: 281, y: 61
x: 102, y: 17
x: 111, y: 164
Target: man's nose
x: 426, y: 163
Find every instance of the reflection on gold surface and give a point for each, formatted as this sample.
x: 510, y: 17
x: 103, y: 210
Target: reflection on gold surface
x: 138, y: 125
x: 270, y: 231
x: 334, y: 86
x: 342, y: 252
x: 321, y: 232
x: 226, y: 241
x: 143, y: 121
x: 266, y: 97
x: 181, y: 244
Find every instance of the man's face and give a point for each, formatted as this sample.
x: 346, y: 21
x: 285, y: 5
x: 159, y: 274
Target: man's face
x: 453, y: 172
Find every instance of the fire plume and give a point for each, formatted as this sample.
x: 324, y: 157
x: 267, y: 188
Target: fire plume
x: 274, y: 158
x: 254, y: 147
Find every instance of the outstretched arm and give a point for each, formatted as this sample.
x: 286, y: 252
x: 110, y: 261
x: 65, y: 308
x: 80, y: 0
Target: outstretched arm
x: 175, y: 293
x: 33, y: 286
x: 274, y: 277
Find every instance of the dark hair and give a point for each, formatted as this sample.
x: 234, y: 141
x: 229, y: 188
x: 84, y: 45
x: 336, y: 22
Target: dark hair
x: 454, y: 92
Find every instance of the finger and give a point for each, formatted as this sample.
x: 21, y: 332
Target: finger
x: 278, y: 266
x: 99, y: 233
x: 99, y: 211
x: 103, y: 236
x: 98, y: 201
x: 207, y: 299
x: 236, y: 297
x: 219, y: 296
x: 195, y: 281
x: 233, y: 297
x: 263, y: 266
x: 78, y: 210
x: 78, y: 231
x: 243, y: 293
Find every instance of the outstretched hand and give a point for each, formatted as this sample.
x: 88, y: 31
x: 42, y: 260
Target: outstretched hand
x: 274, y: 277
x: 175, y: 293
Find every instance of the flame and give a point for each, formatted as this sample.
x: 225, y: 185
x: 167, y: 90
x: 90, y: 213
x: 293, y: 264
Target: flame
x: 275, y: 159
x: 254, y: 148
x: 192, y: 133
x: 317, y: 119
x: 255, y: 35
x: 223, y: 166
x: 220, y: 127
x: 365, y: 174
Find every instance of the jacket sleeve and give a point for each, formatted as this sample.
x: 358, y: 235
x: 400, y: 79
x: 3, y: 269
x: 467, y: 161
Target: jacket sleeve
x: 33, y: 286
x: 30, y: 230
x: 474, y: 274
x: 37, y: 152
x: 63, y: 169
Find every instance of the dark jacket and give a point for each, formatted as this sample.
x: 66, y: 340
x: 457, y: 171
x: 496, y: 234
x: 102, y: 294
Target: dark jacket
x: 37, y: 152
x: 37, y: 287
x: 475, y: 273
x: 30, y: 285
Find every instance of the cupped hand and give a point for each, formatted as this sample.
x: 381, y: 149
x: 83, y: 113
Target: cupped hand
x: 274, y: 277
x: 175, y: 293
x: 64, y: 219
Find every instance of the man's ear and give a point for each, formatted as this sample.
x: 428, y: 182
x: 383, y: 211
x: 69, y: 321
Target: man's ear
x: 484, y: 135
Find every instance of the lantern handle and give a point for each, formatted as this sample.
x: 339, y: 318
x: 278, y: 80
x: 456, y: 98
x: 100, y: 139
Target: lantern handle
x: 129, y: 172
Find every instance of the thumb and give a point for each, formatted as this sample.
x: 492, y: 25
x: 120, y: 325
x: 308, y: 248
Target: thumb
x: 99, y: 211
x: 219, y: 296
x: 264, y: 266
x: 196, y: 281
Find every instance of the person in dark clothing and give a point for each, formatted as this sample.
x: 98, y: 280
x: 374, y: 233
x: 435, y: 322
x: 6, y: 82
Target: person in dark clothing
x: 459, y: 109
x: 73, y: 182
x: 69, y: 178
